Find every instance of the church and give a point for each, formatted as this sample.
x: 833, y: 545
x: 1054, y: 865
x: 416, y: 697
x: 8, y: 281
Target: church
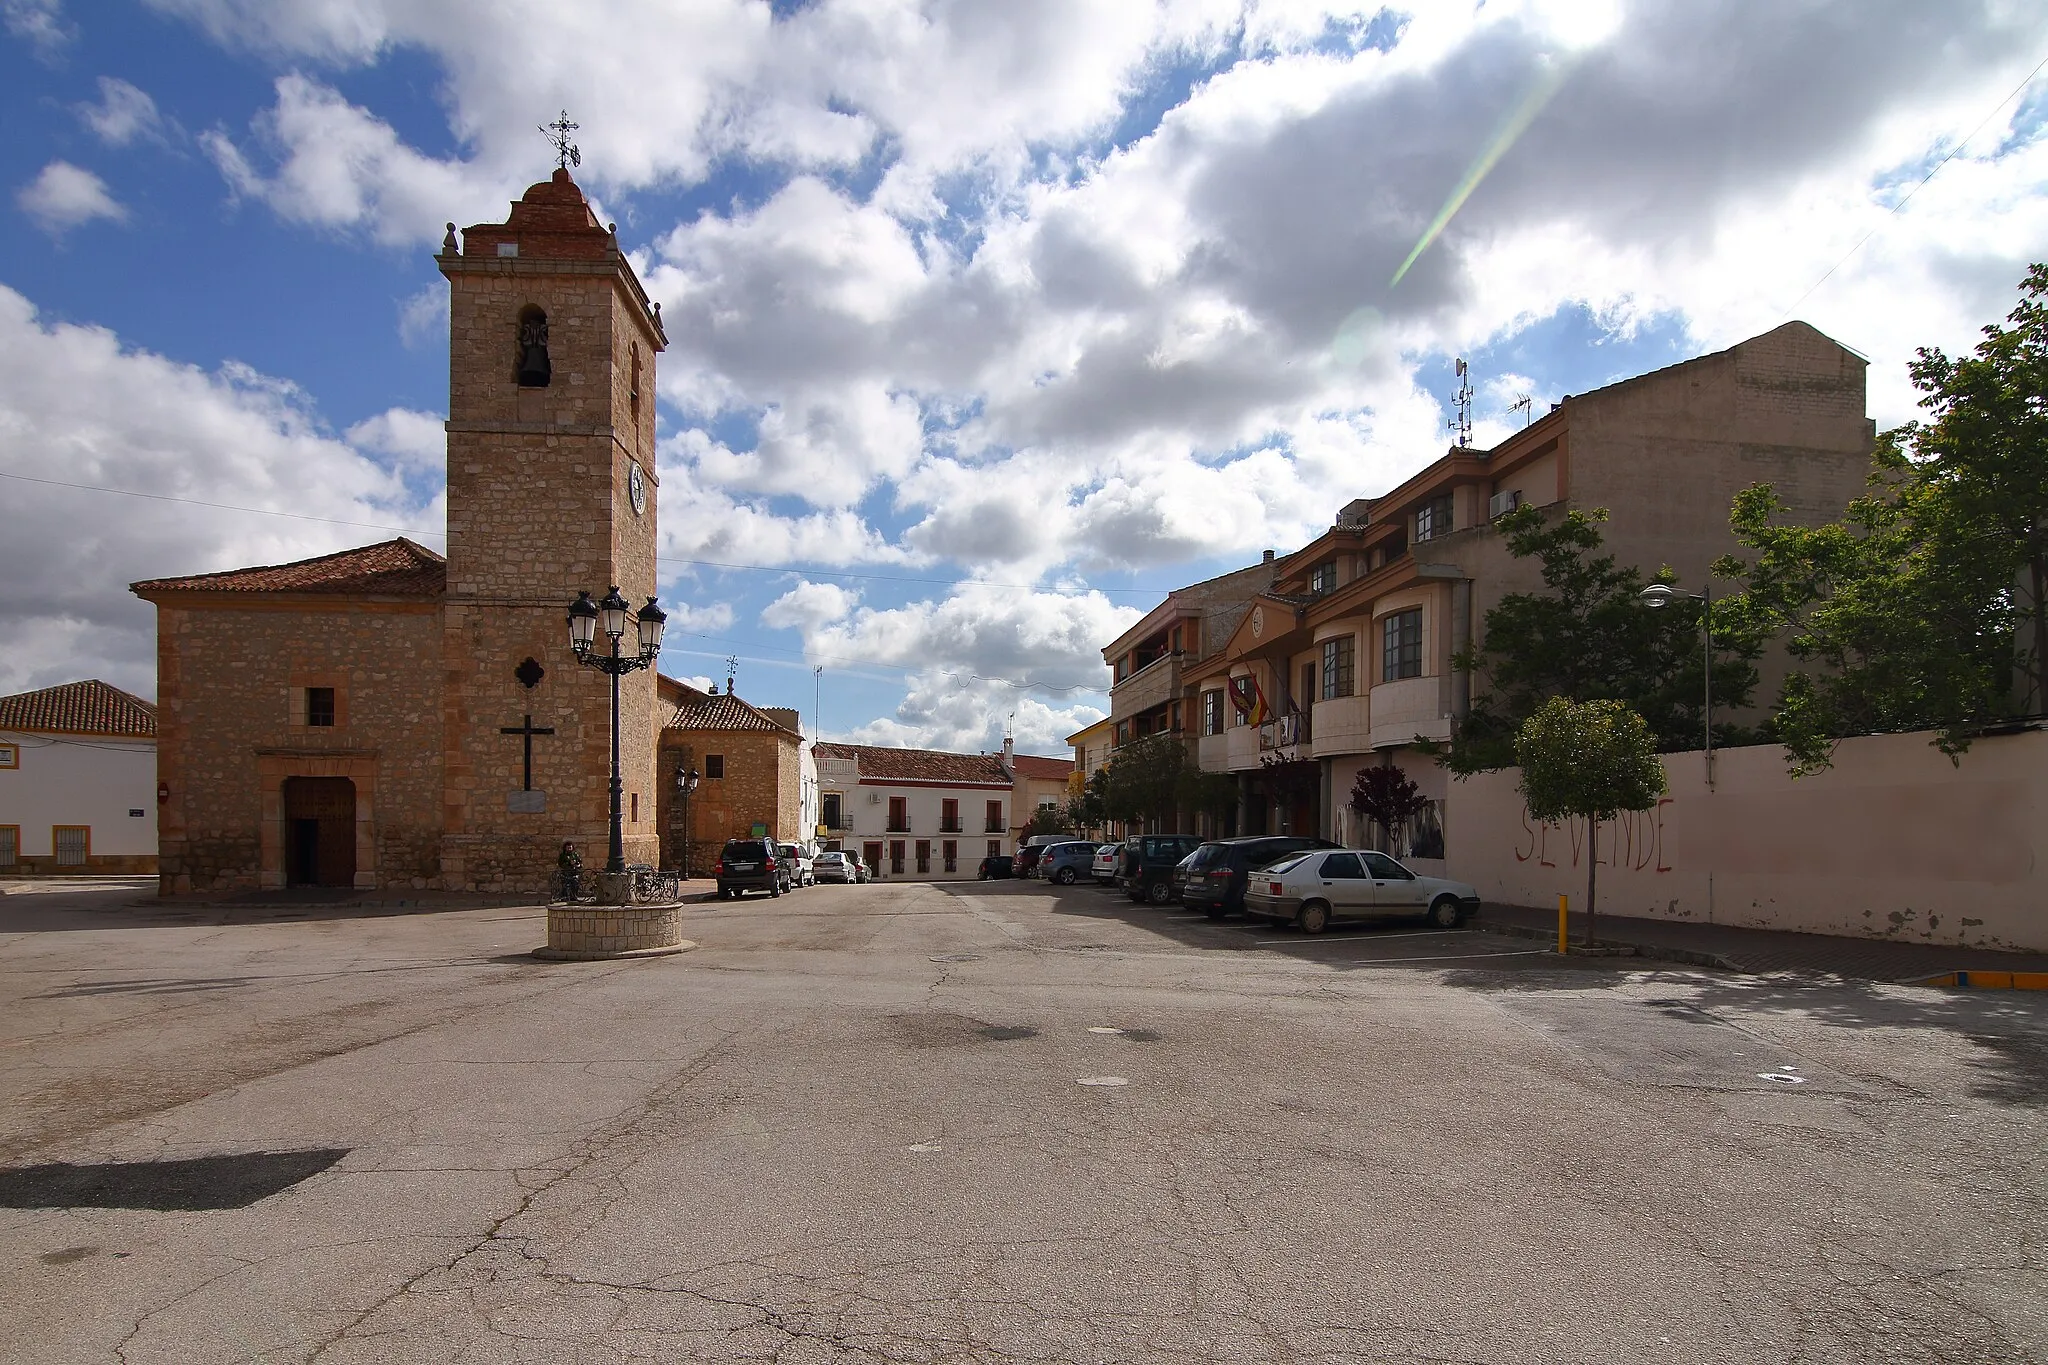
x: 386, y: 718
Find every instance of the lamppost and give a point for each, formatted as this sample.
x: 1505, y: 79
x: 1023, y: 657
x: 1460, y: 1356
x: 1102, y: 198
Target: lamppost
x: 686, y: 782
x: 586, y: 619
x: 1661, y: 595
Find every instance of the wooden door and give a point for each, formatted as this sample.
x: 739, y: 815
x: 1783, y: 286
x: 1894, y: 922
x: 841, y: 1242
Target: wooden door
x: 320, y: 831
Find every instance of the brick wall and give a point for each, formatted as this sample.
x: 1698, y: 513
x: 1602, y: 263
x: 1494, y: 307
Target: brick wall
x: 761, y: 785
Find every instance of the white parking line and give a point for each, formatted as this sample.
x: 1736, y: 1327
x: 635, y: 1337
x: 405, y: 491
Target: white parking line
x: 1441, y: 957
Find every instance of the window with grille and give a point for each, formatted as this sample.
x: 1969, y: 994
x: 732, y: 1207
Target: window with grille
x: 951, y: 850
x: 896, y: 856
x: 1401, y: 645
x: 714, y: 765
x: 899, y: 816
x: 924, y: 856
x: 995, y: 848
x: 320, y: 706
x: 10, y: 755
x: 10, y: 845
x: 1339, y: 667
x: 994, y: 824
x: 949, y: 816
x: 71, y: 844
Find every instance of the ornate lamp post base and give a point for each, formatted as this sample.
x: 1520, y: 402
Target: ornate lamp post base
x: 589, y: 933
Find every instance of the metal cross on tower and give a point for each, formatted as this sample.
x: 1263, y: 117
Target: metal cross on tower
x: 557, y: 134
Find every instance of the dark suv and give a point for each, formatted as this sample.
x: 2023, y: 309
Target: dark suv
x: 1145, y: 872
x: 1213, y: 880
x: 749, y: 865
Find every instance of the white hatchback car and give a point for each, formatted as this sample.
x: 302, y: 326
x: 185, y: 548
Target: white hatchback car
x: 1106, y: 857
x: 1313, y: 889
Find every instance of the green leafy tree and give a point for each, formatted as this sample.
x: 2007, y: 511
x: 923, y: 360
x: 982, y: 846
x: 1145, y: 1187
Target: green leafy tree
x: 1087, y: 809
x: 1588, y: 636
x: 1289, y: 779
x: 1387, y: 797
x: 1922, y: 607
x: 1205, y: 793
x: 1592, y: 760
x: 1048, y: 820
x: 1145, y: 778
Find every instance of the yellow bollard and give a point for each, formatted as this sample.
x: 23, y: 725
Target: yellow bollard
x: 1563, y: 907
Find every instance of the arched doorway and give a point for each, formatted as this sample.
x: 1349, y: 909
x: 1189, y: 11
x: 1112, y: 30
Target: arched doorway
x: 319, y: 831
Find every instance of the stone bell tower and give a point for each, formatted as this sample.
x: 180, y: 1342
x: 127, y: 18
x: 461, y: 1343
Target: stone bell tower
x: 551, y: 492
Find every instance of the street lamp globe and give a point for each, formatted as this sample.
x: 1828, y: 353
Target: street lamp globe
x: 611, y: 614
x: 582, y: 624
x: 651, y: 619
x: 1659, y: 595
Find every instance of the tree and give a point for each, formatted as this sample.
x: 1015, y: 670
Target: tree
x: 1385, y: 796
x: 1086, y: 806
x: 1588, y: 636
x: 1206, y: 793
x: 1289, y: 779
x: 1048, y: 820
x: 1922, y: 607
x: 1144, y: 779
x: 1592, y: 759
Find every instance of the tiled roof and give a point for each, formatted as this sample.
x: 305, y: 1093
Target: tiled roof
x: 919, y: 765
x: 1041, y: 769
x: 81, y: 708
x: 393, y: 568
x: 725, y: 712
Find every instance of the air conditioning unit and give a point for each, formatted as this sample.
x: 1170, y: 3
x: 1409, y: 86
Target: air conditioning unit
x: 874, y: 798
x: 1502, y: 503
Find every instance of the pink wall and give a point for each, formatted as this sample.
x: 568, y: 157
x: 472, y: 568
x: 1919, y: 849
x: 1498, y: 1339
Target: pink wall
x: 1893, y: 842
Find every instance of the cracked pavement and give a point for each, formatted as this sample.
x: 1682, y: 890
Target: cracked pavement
x: 883, y: 1124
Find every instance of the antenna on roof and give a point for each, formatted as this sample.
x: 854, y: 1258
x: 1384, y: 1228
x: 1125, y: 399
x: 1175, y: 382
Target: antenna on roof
x: 1526, y: 406
x: 1461, y: 421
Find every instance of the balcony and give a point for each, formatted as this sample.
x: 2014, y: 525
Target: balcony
x: 950, y: 827
x: 994, y: 827
x: 1342, y: 726
x: 1413, y: 706
x: 1153, y: 685
x: 1212, y: 753
x: 1284, y: 732
x: 894, y: 828
x: 1241, y: 747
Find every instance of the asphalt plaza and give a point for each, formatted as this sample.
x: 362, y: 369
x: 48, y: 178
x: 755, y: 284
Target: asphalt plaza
x: 990, y: 1122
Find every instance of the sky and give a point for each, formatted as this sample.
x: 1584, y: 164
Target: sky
x: 990, y: 322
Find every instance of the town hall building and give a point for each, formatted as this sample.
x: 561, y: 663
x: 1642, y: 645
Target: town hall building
x: 388, y: 718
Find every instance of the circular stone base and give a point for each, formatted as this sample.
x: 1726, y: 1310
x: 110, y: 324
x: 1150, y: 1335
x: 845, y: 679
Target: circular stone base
x: 584, y: 933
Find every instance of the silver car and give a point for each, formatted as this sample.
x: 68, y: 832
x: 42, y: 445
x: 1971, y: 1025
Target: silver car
x: 1313, y: 889
x: 1104, y: 869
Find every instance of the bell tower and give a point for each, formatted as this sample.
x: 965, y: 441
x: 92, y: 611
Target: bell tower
x: 551, y: 492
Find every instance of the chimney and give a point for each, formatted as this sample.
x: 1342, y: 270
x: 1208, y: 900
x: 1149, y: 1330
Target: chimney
x: 1009, y: 750
x: 1268, y: 559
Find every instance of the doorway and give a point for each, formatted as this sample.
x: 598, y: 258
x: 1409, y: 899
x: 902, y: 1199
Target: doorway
x: 320, y: 831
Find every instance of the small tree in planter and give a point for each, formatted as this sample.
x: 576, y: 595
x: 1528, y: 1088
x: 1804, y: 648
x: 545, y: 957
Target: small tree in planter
x: 1386, y: 797
x: 1593, y: 759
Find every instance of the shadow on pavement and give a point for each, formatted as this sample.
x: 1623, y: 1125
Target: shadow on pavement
x: 211, y: 1182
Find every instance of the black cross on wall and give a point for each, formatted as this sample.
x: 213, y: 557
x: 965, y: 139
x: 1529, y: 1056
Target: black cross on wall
x: 527, y: 732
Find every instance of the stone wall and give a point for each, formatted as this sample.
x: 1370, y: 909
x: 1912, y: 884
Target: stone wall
x: 762, y: 785
x: 231, y: 711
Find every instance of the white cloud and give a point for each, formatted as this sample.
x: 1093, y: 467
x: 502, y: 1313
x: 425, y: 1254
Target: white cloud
x: 809, y: 606
x: 80, y: 408
x: 64, y: 196
x: 124, y: 113
x: 40, y: 24
x: 942, y: 711
x: 423, y: 316
x: 416, y: 442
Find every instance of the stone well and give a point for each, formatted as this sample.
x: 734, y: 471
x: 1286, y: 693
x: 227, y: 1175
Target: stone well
x: 586, y: 933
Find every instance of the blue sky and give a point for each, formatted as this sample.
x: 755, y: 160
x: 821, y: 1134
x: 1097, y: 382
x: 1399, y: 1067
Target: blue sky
x: 990, y: 321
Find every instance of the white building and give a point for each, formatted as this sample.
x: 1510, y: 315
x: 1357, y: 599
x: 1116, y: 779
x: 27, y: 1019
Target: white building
x: 78, y: 785
x: 914, y: 814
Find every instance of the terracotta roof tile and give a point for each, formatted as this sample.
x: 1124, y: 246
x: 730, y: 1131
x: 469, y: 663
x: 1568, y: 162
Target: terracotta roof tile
x: 725, y: 712
x: 80, y: 708
x: 1042, y: 769
x: 392, y: 568
x: 919, y: 765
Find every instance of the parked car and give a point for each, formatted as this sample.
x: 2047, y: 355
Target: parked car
x: 749, y: 865
x: 833, y: 866
x: 862, y: 872
x: 995, y: 867
x: 1146, y: 872
x: 1027, y: 858
x: 1313, y: 889
x: 802, y: 868
x: 1104, y: 867
x: 1067, y: 863
x: 1213, y: 879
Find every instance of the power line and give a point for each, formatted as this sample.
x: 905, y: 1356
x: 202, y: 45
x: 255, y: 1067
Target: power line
x: 223, y: 506
x: 1893, y: 211
x: 894, y: 668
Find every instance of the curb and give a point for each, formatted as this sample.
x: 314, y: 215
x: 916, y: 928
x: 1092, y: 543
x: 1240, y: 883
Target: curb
x: 1981, y: 980
x: 1609, y: 948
